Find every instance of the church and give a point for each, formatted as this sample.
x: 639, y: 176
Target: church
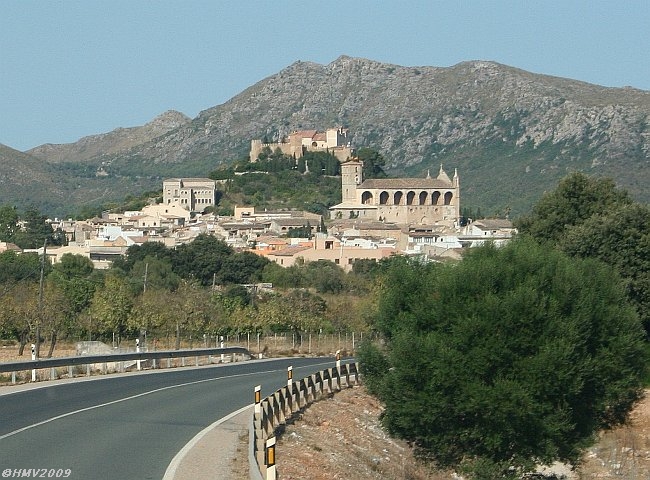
x: 404, y: 201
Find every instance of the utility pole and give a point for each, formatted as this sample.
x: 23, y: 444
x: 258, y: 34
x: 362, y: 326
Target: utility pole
x: 141, y: 334
x: 37, y: 350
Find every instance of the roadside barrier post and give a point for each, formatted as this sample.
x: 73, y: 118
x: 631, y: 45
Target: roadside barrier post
x: 258, y: 399
x: 290, y: 388
x: 270, y: 459
x: 33, y: 358
x: 137, y: 349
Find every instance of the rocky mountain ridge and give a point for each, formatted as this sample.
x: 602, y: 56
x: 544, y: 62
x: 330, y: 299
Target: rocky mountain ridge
x: 511, y: 134
x: 118, y: 141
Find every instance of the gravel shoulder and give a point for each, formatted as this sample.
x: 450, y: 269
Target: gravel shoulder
x: 340, y: 437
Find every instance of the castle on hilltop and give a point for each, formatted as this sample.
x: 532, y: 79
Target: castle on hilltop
x: 334, y: 141
x: 404, y: 201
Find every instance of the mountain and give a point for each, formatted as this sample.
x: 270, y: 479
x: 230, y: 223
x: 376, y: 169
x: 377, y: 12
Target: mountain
x: 116, y: 142
x: 511, y: 134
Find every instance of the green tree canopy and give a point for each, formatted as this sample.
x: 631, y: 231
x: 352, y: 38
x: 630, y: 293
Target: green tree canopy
x: 622, y: 240
x: 140, y: 252
x: 36, y: 231
x: 76, y: 276
x: 16, y: 267
x: 373, y: 163
x: 515, y: 356
x: 590, y: 218
x: 8, y: 223
x: 577, y: 198
x: 202, y: 259
x: 153, y: 272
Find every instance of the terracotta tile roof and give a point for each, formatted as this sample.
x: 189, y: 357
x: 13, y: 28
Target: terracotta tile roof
x: 305, y: 133
x: 272, y: 241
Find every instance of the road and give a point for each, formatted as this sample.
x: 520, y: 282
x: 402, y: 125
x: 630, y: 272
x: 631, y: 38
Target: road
x: 128, y: 426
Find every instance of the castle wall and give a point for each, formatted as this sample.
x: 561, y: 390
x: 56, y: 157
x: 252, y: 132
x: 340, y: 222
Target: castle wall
x: 335, y: 141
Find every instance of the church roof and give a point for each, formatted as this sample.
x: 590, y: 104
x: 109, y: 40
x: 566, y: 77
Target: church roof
x: 404, y: 183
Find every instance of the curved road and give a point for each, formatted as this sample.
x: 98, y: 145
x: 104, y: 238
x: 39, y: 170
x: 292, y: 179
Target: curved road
x: 128, y: 426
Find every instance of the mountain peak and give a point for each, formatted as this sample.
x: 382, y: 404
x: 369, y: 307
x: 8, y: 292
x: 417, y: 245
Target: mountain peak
x: 169, y: 119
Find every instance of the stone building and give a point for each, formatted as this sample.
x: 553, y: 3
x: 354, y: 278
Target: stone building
x: 192, y: 194
x: 404, y: 201
x: 334, y: 141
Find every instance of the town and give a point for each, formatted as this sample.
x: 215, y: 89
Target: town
x: 376, y: 218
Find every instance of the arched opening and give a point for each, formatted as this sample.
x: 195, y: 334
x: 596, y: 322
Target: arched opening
x: 435, y: 198
x: 397, y: 198
x: 448, y: 198
x: 423, y: 198
x: 366, y: 198
x: 383, y: 198
x: 410, y: 196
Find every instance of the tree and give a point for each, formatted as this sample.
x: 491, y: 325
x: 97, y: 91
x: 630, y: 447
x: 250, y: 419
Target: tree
x: 18, y: 267
x: 19, y: 313
x: 514, y: 356
x: 75, y: 276
x: 8, y: 223
x: 191, y: 309
x: 590, y: 218
x: 242, y: 267
x: 620, y: 239
x: 152, y: 311
x: 56, y: 313
x: 140, y: 252
x: 325, y: 276
x: 202, y: 259
x: 36, y: 231
x: 373, y: 163
x: 577, y: 198
x: 153, y: 272
x: 111, y: 305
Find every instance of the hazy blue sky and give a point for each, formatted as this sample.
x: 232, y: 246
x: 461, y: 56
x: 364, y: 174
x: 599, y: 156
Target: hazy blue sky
x: 74, y: 68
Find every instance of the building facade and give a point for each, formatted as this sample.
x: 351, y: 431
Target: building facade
x: 191, y: 194
x: 404, y: 201
x: 334, y: 141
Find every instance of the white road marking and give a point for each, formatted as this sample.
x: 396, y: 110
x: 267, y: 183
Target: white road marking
x: 74, y: 412
x: 178, y: 458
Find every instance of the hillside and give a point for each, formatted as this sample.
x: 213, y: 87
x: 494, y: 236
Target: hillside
x: 510, y: 133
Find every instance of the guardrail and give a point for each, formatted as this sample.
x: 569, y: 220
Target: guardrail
x: 118, y: 361
x: 272, y: 412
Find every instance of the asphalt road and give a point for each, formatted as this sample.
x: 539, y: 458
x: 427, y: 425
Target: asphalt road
x: 128, y: 426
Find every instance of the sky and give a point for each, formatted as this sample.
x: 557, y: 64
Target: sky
x: 74, y: 68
